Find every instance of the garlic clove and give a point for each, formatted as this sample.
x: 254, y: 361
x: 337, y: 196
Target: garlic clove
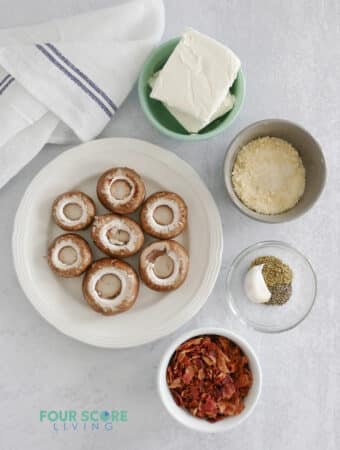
x: 255, y: 285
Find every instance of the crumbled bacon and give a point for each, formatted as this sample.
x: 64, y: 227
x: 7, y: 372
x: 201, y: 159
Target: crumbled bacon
x: 209, y: 376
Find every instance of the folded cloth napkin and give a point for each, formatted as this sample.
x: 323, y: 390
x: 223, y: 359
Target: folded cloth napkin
x: 63, y: 81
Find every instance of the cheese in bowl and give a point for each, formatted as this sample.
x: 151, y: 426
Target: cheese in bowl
x: 195, y: 83
x: 268, y: 175
x: 274, y: 170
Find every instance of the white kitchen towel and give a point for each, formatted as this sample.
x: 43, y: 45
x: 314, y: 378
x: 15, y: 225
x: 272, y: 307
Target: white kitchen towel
x: 63, y: 81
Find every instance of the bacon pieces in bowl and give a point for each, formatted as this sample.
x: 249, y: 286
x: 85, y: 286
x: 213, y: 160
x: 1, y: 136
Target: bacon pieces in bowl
x: 209, y: 376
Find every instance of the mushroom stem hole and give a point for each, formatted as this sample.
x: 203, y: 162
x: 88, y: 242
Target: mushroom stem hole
x: 118, y: 237
x: 108, y: 286
x: 120, y: 189
x: 72, y: 211
x: 163, y: 215
x: 163, y: 266
x: 67, y: 255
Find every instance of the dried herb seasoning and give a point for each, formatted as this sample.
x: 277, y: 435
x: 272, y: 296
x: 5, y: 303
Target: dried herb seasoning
x: 274, y: 270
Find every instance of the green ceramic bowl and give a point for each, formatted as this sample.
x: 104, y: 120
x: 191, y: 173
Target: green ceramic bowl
x: 160, y: 117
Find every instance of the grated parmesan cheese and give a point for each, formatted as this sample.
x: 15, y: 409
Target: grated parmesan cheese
x: 268, y: 175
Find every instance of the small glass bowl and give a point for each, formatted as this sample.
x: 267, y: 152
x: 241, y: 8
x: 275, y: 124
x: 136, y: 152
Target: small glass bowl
x: 272, y: 318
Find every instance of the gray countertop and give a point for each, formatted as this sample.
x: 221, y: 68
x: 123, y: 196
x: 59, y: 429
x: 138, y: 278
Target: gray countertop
x: 291, y: 57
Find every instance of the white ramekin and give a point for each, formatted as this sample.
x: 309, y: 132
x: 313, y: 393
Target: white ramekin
x: 180, y: 414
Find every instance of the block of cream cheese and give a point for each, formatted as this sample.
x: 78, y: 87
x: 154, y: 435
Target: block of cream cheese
x: 197, y: 76
x: 190, y: 123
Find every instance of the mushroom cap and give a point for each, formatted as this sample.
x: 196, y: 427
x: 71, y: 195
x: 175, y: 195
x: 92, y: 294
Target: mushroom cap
x: 81, y: 248
x: 86, y: 204
x: 127, y: 204
x: 180, y: 260
x: 129, y: 286
x: 116, y: 224
x: 179, y: 211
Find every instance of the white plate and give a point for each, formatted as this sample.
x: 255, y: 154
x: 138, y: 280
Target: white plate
x: 59, y: 300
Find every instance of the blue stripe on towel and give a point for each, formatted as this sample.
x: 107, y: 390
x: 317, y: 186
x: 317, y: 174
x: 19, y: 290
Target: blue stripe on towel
x: 5, y: 79
x: 74, y: 79
x: 82, y: 75
x: 10, y: 80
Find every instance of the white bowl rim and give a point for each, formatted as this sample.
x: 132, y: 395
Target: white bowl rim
x: 236, y: 202
x: 200, y: 424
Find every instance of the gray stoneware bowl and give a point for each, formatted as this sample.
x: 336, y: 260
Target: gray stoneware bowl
x: 310, y: 153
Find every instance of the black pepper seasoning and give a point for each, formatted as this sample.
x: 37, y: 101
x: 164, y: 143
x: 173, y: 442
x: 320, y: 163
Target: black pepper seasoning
x: 280, y: 294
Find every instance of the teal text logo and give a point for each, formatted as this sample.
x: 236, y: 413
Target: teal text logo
x: 83, y: 420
